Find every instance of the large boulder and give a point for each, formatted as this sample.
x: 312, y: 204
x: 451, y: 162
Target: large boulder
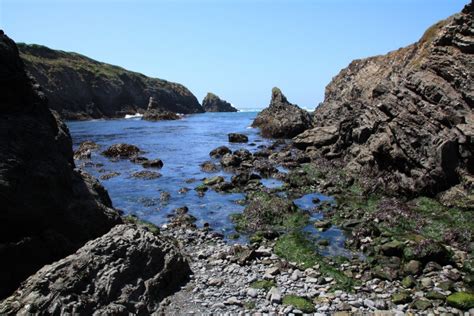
x: 281, y: 119
x: 49, y: 208
x: 212, y: 103
x: 406, y: 118
x: 129, y: 270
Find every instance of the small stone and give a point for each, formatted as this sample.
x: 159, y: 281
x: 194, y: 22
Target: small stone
x: 426, y: 282
x: 252, y: 293
x: 218, y: 305
x: 446, y: 285
x: 421, y: 305
x: 233, y: 301
x: 401, y: 298
x: 392, y: 248
x: 434, y: 295
x: 296, y: 275
x: 412, y: 267
x: 215, y: 282
x: 272, y: 271
x: 369, y: 303
x: 408, y: 282
x: 322, y: 224
x: 274, y: 295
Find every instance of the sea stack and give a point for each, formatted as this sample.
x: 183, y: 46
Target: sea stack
x: 155, y: 113
x: 282, y: 119
x: 212, y: 103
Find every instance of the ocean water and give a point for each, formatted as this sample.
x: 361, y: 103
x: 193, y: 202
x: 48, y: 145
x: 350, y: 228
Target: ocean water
x: 182, y: 145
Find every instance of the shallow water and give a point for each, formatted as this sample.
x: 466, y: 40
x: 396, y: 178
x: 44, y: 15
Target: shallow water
x: 182, y: 145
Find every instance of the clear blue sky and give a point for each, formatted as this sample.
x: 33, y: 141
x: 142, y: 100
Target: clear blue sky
x: 238, y: 49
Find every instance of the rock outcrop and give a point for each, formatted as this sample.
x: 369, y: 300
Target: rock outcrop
x: 81, y: 88
x: 155, y: 113
x: 212, y: 103
x: 282, y: 119
x: 49, y: 208
x: 101, y: 277
x: 406, y: 118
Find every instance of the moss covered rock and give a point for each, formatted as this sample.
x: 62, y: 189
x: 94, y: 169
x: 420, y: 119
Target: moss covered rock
x: 299, y: 302
x: 401, y: 298
x: 461, y: 300
x: 267, y: 212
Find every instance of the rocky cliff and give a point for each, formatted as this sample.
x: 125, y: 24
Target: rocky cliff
x: 406, y: 118
x: 282, y: 119
x: 49, y: 208
x: 212, y: 103
x: 81, y: 88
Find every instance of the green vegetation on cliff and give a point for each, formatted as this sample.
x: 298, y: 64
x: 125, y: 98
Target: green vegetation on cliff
x: 79, y: 87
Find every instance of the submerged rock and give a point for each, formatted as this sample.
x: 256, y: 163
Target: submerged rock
x: 121, y: 151
x: 154, y: 163
x: 146, y: 175
x: 237, y: 138
x: 281, y: 119
x: 127, y: 270
x: 209, y: 166
x: 219, y: 152
x: 212, y: 103
x: 109, y: 175
x: 403, y: 122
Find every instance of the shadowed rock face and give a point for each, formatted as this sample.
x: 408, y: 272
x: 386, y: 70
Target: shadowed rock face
x: 212, y: 103
x: 81, y: 88
x: 406, y: 118
x: 49, y: 209
x: 281, y: 119
x: 101, y: 277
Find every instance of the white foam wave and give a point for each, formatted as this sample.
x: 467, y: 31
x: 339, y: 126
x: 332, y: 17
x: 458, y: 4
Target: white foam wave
x: 250, y: 110
x: 131, y: 116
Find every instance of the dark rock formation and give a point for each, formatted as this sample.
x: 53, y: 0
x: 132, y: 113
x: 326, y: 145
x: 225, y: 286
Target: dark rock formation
x: 49, y: 209
x: 127, y: 271
x: 212, y: 103
x: 146, y: 175
x: 282, y: 119
x: 82, y: 88
x: 121, y: 151
x: 209, y: 166
x: 406, y: 118
x: 219, y: 152
x: 237, y: 138
x: 85, y: 150
x: 155, y: 113
x: 154, y: 163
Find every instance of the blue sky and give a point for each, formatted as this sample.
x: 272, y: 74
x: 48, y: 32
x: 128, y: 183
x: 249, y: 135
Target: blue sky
x: 238, y: 49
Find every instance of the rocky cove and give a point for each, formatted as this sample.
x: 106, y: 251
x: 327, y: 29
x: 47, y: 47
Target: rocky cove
x: 364, y: 206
